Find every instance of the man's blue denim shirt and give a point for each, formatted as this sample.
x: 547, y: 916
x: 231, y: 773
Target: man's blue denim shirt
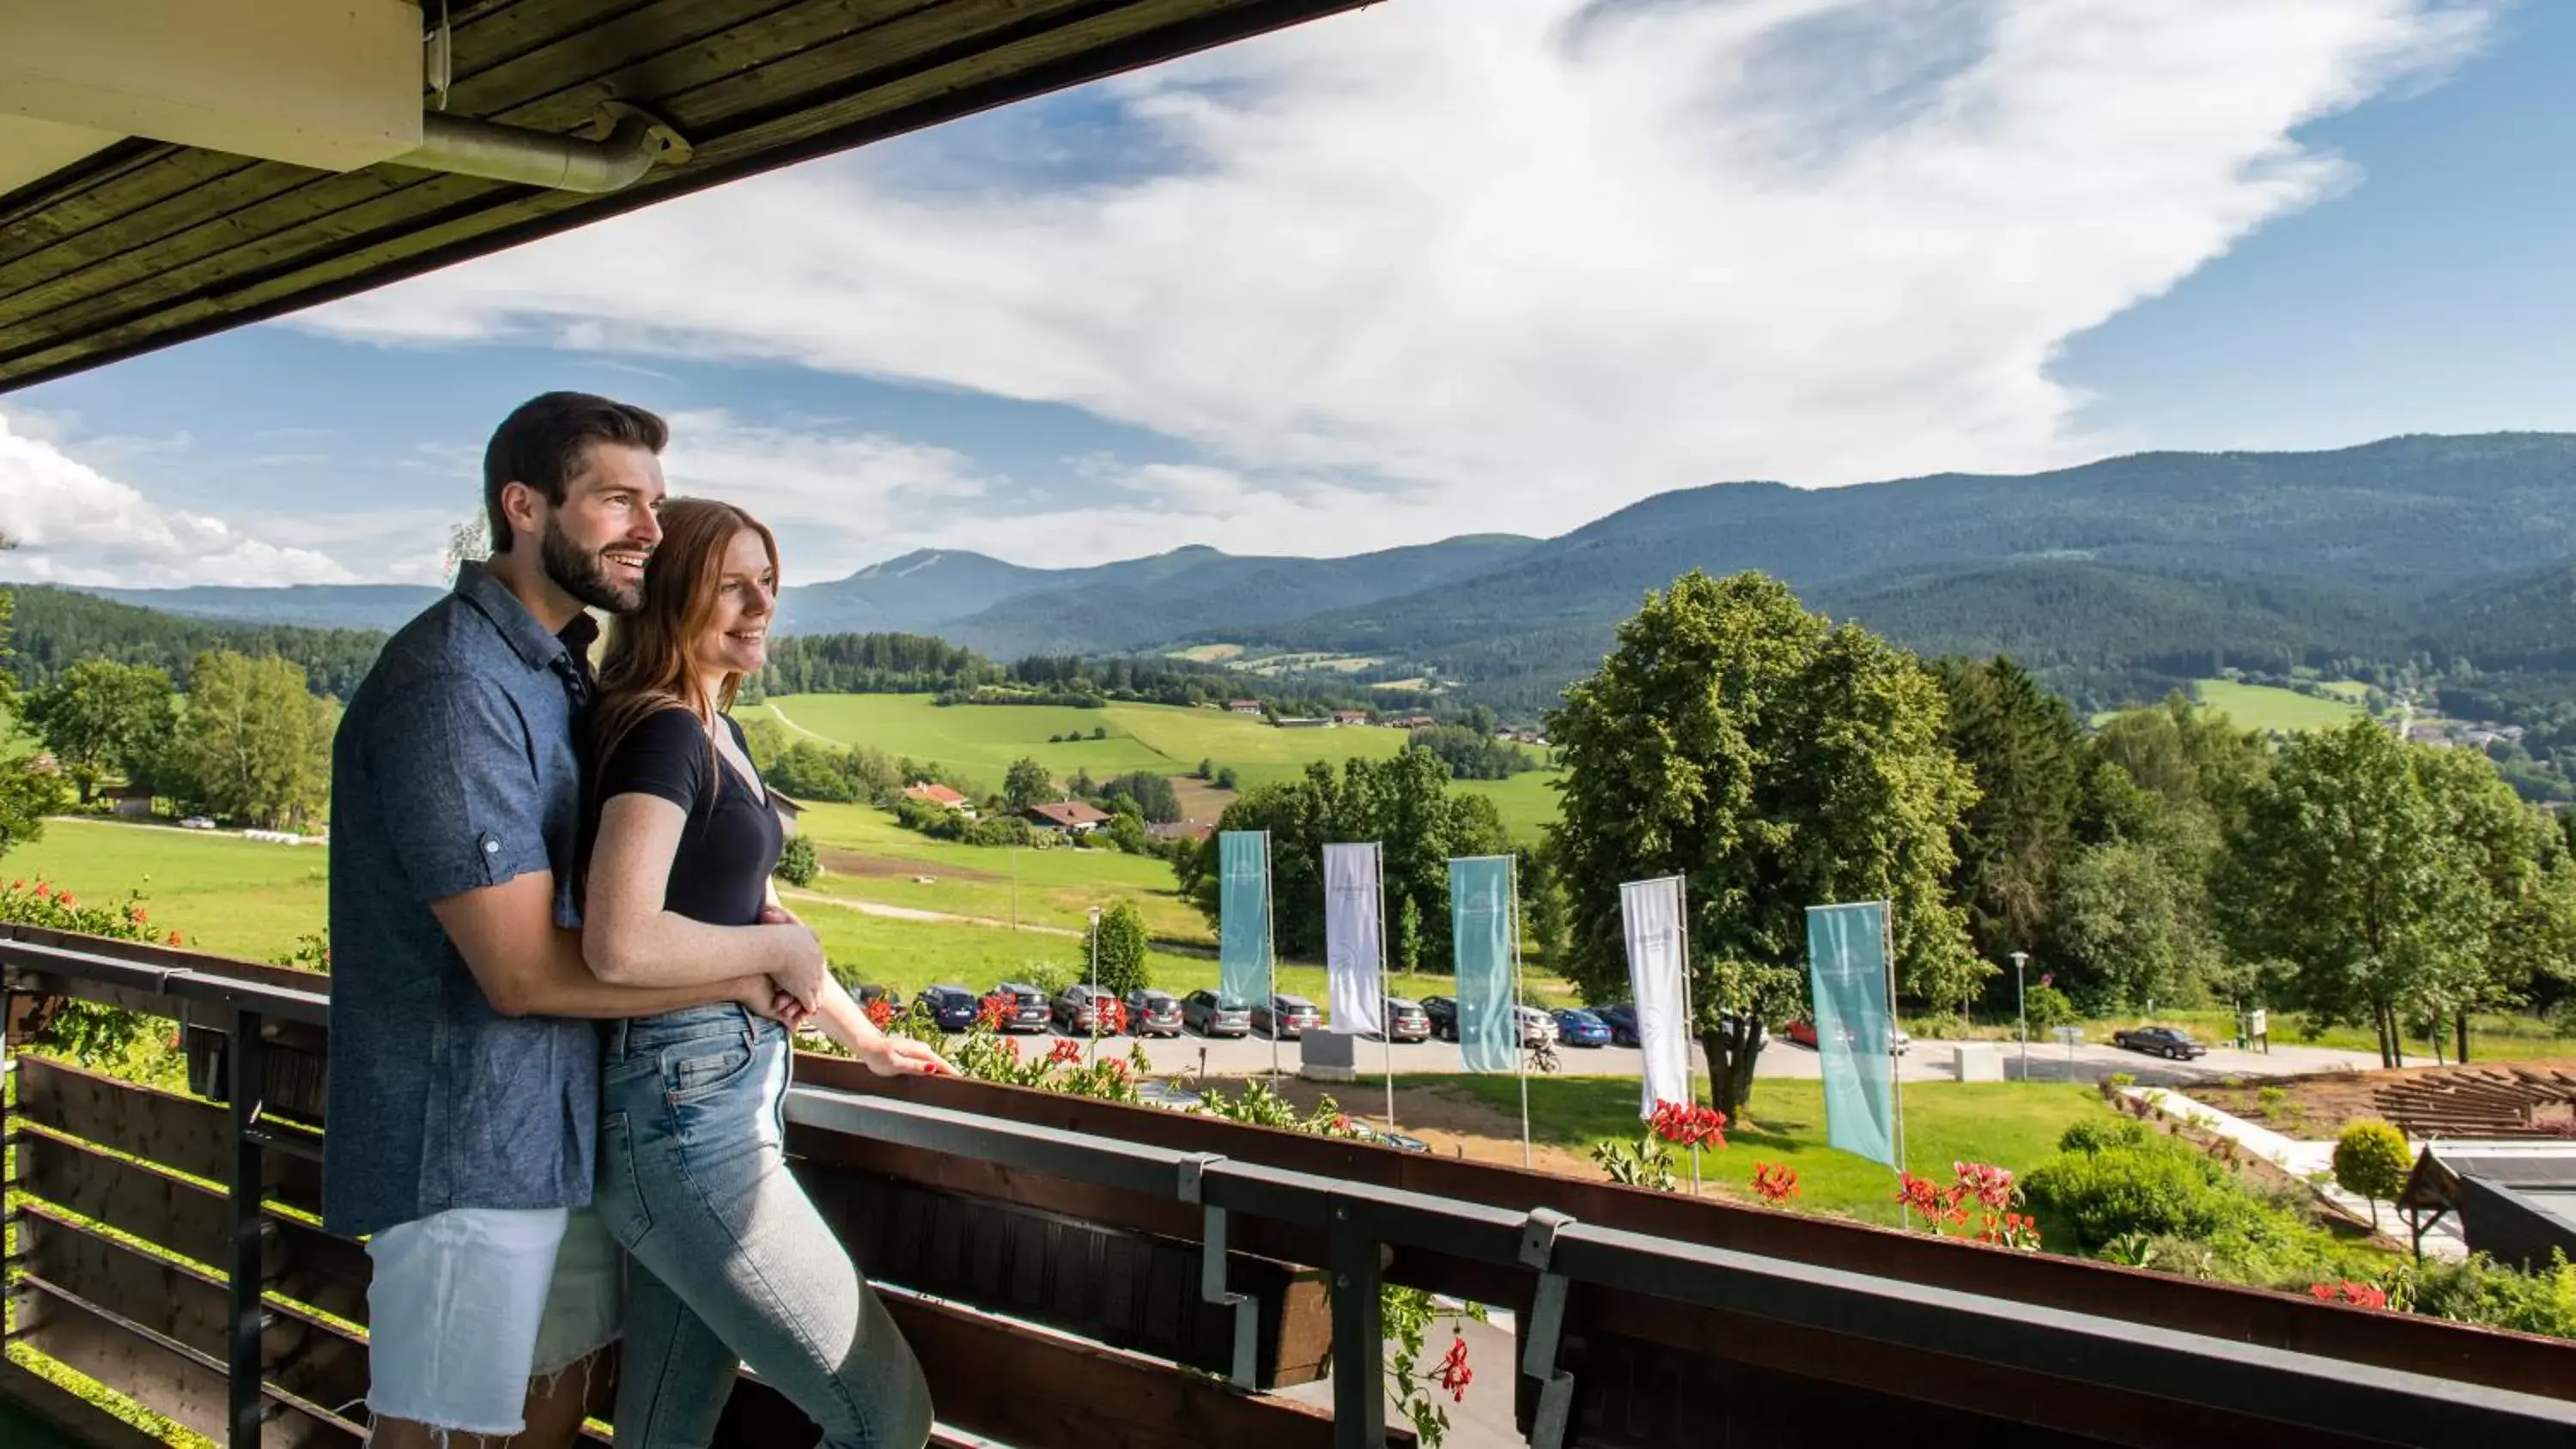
x: 455, y: 768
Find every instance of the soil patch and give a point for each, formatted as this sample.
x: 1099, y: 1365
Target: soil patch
x: 2316, y: 1107
x: 877, y: 867
x: 1200, y: 801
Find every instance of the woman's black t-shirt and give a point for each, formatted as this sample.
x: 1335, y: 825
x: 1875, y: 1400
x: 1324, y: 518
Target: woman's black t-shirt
x: 720, y: 874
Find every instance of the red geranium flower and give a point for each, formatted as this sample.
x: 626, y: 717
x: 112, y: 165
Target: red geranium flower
x: 881, y: 1013
x: 995, y: 1010
x: 1065, y: 1053
x: 1775, y: 1182
x: 1453, y: 1373
x: 1687, y: 1124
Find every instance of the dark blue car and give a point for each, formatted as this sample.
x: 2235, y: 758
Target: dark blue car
x: 1577, y: 1027
x: 953, y: 1007
x: 1621, y: 1018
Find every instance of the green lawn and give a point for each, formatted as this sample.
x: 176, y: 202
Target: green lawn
x: 2494, y: 1036
x: 2262, y: 707
x: 1527, y: 801
x: 869, y: 857
x: 983, y: 740
x: 2006, y: 1124
x: 227, y: 895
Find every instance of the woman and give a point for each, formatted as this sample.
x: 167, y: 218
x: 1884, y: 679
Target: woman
x: 730, y: 1260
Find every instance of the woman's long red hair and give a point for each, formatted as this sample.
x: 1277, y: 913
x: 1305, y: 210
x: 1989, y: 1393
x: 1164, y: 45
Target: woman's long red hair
x: 648, y: 667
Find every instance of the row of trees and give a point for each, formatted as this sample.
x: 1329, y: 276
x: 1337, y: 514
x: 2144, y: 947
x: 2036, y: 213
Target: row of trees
x: 249, y: 742
x: 1404, y: 803
x: 1781, y: 761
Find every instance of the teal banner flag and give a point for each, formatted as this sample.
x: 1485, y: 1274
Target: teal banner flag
x: 1480, y: 928
x: 1847, y: 964
x: 1243, y: 916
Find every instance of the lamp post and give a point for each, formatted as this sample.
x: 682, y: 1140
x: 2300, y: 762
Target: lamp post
x: 1091, y: 1057
x: 2021, y: 1008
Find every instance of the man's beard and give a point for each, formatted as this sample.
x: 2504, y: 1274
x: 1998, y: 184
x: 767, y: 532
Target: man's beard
x: 585, y: 575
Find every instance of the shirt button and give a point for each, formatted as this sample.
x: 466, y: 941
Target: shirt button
x: 491, y: 847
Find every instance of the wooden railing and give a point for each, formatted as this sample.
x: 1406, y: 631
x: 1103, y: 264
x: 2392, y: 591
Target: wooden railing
x: 1077, y: 1272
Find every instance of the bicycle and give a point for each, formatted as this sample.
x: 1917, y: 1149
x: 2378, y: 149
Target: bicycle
x: 1542, y: 1055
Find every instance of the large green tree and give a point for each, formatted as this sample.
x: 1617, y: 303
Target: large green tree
x: 25, y: 795
x: 1403, y: 802
x: 2377, y: 875
x: 259, y: 740
x: 1777, y: 761
x: 1025, y: 784
x: 101, y: 717
x: 2027, y: 754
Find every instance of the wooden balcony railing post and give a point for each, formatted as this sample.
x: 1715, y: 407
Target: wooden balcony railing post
x: 1359, y: 1333
x: 245, y: 1407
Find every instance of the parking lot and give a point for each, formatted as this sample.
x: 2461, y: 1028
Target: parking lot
x: 1925, y: 1061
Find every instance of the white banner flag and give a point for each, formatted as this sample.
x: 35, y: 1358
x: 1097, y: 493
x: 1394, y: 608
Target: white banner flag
x: 1651, y: 910
x: 1351, y: 936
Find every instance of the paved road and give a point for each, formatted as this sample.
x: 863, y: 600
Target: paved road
x: 1926, y: 1062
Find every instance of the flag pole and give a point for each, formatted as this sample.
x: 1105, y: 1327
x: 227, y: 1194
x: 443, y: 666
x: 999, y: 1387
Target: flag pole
x: 1895, y: 1078
x: 1270, y: 953
x: 1512, y: 915
x: 1681, y: 896
x: 1385, y: 990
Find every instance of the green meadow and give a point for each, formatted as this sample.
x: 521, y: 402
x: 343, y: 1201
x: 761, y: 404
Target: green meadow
x: 868, y: 857
x: 2281, y: 711
x: 2003, y: 1124
x: 226, y: 895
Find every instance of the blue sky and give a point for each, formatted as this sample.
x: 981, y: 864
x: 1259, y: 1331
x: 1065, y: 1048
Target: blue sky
x: 1440, y: 267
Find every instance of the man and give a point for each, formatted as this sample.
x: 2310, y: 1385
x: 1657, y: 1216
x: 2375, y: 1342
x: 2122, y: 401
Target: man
x: 464, y: 1055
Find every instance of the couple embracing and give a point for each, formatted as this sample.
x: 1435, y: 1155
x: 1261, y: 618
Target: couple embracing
x: 564, y: 986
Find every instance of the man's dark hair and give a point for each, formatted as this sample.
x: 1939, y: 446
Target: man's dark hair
x: 540, y: 444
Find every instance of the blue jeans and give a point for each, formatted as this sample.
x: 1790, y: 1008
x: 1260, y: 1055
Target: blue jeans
x: 731, y: 1263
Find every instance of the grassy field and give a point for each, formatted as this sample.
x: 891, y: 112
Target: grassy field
x: 2262, y: 707
x: 867, y: 857
x: 983, y: 740
x: 2005, y: 1124
x: 227, y: 895
x: 1165, y: 739
x: 1527, y: 801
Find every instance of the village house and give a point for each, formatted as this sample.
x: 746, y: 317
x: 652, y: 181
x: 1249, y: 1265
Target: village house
x: 788, y: 811
x: 1067, y: 817
x: 1243, y: 706
x: 1350, y: 716
x: 929, y: 793
x: 1179, y: 830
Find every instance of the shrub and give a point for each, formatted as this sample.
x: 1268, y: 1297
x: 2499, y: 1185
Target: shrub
x: 1123, y: 965
x: 2484, y: 1292
x: 2371, y: 1160
x: 2112, y: 1180
x: 2047, y: 1007
x: 2270, y: 1101
x: 796, y: 863
x: 109, y: 1038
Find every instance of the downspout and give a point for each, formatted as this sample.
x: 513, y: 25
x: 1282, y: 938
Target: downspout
x: 635, y: 142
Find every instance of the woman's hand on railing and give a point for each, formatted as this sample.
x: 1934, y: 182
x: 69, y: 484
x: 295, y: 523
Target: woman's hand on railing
x: 901, y: 1056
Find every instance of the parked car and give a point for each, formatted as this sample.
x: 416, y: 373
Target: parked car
x: 868, y: 991
x: 197, y: 822
x: 1076, y: 1009
x: 1442, y: 1011
x: 952, y: 1007
x: 2159, y: 1041
x: 1401, y: 1142
x: 1153, y: 1013
x: 1285, y: 1016
x: 1803, y: 1032
x: 1031, y: 1013
x: 1536, y: 1026
x: 1208, y: 1015
x: 1577, y: 1027
x: 1406, y: 1020
x: 1621, y: 1018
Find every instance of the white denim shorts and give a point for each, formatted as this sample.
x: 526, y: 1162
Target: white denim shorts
x: 471, y: 1306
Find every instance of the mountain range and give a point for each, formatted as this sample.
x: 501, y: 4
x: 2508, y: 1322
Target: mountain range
x: 2112, y: 576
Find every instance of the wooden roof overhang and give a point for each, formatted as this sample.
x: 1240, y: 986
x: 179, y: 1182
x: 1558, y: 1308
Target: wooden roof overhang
x: 145, y: 244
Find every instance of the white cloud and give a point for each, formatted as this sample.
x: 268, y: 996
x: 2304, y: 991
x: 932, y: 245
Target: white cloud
x: 839, y: 500
x: 1511, y: 263
x: 74, y: 525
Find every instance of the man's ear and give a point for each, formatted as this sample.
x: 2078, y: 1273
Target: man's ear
x: 522, y: 505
